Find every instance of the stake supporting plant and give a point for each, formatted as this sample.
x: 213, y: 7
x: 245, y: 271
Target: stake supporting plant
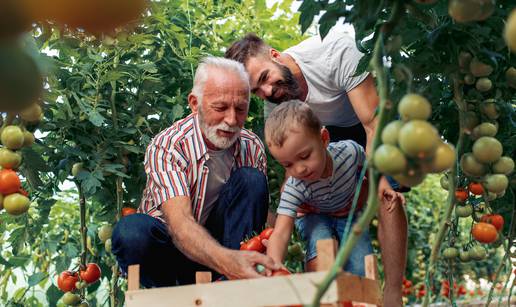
x: 452, y: 185
x: 372, y: 202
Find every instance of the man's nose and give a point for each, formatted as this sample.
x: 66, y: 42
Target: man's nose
x: 266, y: 91
x: 231, y: 117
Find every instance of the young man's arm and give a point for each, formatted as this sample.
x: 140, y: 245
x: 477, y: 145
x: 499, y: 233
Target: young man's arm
x: 196, y: 243
x: 364, y: 100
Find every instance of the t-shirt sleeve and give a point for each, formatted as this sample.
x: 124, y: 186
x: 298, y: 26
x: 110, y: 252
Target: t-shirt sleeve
x: 166, y: 173
x: 344, y: 58
x: 291, y: 198
x: 358, y: 152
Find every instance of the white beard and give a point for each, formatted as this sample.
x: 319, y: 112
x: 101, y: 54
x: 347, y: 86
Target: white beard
x: 210, y: 132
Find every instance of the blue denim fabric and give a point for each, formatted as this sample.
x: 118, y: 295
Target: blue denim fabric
x: 314, y: 227
x: 142, y: 239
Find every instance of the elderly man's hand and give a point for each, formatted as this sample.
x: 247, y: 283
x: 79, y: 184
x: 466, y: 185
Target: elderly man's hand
x: 242, y: 264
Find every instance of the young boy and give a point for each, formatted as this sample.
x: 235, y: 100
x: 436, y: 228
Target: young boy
x: 318, y: 196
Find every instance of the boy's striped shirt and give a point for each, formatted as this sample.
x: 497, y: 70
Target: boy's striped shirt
x: 326, y: 195
x: 175, y: 164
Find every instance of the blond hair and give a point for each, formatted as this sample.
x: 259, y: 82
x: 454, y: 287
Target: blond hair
x: 287, y: 116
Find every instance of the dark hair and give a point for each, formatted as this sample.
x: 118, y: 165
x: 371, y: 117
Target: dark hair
x: 249, y: 46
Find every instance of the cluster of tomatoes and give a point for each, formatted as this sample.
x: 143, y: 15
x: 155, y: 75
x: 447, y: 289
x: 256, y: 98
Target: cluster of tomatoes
x: 13, y: 198
x: 412, y: 147
x: 458, y: 291
x: 71, y: 281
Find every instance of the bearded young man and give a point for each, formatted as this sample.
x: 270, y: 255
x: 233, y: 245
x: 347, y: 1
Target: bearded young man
x: 206, y: 188
x: 321, y: 73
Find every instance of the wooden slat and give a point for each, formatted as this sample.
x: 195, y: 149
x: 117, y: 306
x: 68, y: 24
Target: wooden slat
x: 271, y: 291
x: 371, y: 271
x: 133, y: 277
x: 325, y: 254
x: 202, y: 277
x: 358, y: 289
x: 371, y: 267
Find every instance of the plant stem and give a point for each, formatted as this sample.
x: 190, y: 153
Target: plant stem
x: 84, y: 229
x: 372, y: 202
x: 446, y: 222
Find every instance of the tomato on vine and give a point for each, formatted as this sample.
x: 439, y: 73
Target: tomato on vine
x: 494, y: 219
x: 91, y: 274
x: 484, y: 232
x: 66, y: 281
x: 9, y: 182
x: 461, y: 195
x: 476, y: 188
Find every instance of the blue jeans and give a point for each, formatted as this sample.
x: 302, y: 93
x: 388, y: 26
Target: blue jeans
x: 142, y: 239
x: 314, y: 227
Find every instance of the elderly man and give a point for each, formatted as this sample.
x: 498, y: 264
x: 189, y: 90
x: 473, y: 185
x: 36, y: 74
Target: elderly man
x: 321, y: 73
x: 206, y: 188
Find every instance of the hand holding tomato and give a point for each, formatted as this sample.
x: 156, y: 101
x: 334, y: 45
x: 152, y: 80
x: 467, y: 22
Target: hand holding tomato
x: 242, y: 264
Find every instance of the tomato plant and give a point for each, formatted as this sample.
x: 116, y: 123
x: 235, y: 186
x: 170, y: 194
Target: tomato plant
x: 66, y: 281
x: 91, y: 274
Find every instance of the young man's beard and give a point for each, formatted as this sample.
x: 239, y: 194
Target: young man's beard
x: 288, y: 86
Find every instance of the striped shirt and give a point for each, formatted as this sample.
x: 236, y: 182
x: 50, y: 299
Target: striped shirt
x: 326, y: 195
x: 175, y: 164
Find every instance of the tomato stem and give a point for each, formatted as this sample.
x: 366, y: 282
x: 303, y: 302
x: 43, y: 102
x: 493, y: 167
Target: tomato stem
x: 452, y: 186
x: 372, y: 202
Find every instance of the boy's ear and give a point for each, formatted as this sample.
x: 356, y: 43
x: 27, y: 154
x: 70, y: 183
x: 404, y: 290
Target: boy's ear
x: 325, y: 136
x: 193, y: 102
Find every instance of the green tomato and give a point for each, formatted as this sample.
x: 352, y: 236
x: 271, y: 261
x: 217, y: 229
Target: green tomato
x: 12, y: 137
x: 487, y: 149
x: 463, y: 211
x: 505, y: 166
x: 388, y: 159
x: 391, y: 131
x: 496, y: 183
x: 105, y: 232
x: 414, y: 106
x: 418, y: 139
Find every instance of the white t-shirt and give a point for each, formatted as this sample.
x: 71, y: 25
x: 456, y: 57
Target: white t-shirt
x: 219, y: 164
x: 328, y: 67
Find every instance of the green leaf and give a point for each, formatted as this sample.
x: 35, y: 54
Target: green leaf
x: 95, y: 118
x: 309, y: 9
x: 53, y: 295
x: 34, y: 159
x: 36, y: 278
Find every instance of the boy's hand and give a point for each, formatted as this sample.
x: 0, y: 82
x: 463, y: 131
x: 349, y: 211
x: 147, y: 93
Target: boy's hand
x: 392, y: 198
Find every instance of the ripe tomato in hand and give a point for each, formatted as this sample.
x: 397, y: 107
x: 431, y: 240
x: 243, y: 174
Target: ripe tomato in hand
x: 254, y: 244
x: 128, y: 211
x: 91, y: 274
x: 66, y: 281
x: 266, y: 233
x: 494, y: 219
x: 9, y: 182
x: 461, y: 195
x: 484, y: 232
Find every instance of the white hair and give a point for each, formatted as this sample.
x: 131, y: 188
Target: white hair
x: 201, y: 74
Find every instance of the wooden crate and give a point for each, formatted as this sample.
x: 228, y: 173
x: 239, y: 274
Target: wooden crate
x: 270, y: 291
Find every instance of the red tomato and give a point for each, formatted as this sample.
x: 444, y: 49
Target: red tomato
x: 66, y: 281
x: 346, y: 304
x: 91, y: 274
x: 494, y: 219
x: 484, y: 232
x: 476, y: 188
x: 280, y: 272
x: 254, y: 244
x: 461, y: 195
x: 266, y: 233
x: 421, y: 293
x: 9, y: 182
x: 128, y: 211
